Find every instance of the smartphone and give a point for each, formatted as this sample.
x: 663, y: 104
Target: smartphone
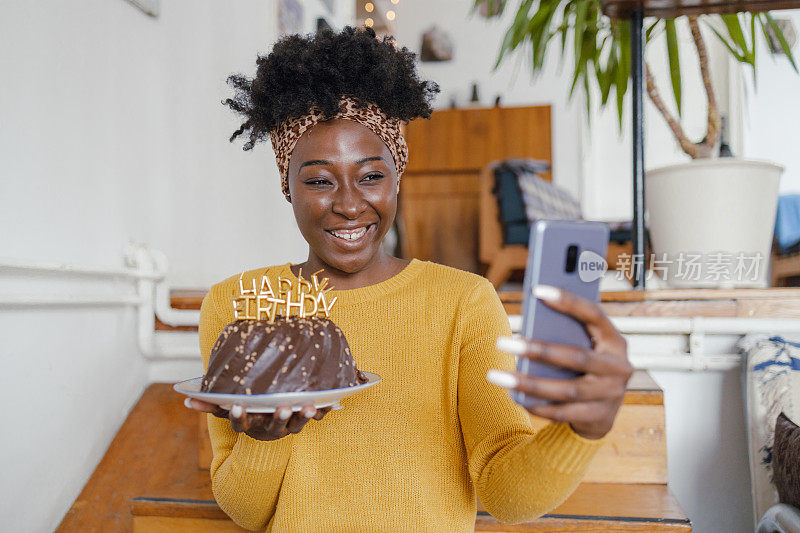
x: 570, y: 255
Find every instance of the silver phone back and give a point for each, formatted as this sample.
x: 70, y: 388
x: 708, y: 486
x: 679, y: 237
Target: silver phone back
x: 547, y: 250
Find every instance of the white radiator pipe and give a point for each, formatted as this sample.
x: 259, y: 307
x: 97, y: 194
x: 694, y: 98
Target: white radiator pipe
x: 78, y: 270
x: 163, y: 306
x: 718, y: 326
x: 37, y: 300
x: 696, y: 328
x: 148, y: 269
x: 151, y: 266
x: 685, y: 361
x: 150, y: 341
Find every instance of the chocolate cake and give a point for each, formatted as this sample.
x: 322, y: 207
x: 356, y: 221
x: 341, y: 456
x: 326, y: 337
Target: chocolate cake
x: 291, y: 354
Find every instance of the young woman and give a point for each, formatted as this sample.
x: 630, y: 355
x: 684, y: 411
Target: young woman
x: 410, y: 453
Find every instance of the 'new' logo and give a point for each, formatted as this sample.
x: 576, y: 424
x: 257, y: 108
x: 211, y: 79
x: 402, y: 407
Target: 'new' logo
x: 591, y: 266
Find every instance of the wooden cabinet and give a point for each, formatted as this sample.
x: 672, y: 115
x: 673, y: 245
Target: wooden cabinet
x: 439, y: 192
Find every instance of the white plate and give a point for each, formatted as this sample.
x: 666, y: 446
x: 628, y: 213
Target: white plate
x: 267, y: 403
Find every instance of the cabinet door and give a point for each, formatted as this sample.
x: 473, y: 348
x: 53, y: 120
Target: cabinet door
x: 439, y: 194
x: 439, y: 218
x: 458, y: 140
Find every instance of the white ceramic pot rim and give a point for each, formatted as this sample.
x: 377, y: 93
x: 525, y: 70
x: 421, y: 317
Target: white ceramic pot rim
x: 716, y: 162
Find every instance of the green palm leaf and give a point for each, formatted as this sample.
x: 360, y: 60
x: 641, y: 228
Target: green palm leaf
x: 601, y: 47
x: 674, y: 61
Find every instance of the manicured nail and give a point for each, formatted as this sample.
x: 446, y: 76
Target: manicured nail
x: 513, y: 345
x: 237, y: 411
x: 547, y: 292
x: 188, y: 403
x: 284, y: 413
x: 502, y: 379
x: 310, y: 414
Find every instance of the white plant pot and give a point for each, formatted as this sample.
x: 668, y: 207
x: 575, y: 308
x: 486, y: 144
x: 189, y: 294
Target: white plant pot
x: 711, y: 221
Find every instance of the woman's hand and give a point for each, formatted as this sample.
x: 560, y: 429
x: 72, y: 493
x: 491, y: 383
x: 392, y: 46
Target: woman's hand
x: 589, y: 403
x: 262, y: 426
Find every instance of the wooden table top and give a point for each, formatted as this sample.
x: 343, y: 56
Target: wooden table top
x: 689, y: 303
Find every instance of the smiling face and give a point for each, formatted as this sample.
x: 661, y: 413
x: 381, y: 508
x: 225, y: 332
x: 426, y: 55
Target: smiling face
x: 343, y: 186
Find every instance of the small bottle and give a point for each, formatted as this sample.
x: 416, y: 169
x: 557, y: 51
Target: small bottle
x: 724, y: 147
x: 474, y: 99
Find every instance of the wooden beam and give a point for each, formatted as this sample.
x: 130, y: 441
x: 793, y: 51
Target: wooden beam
x: 621, y: 9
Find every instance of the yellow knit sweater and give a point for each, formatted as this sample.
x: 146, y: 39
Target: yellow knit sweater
x: 410, y: 453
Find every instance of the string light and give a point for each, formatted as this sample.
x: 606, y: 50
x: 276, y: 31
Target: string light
x: 395, y: 2
x: 369, y: 22
x: 390, y: 15
x: 369, y: 6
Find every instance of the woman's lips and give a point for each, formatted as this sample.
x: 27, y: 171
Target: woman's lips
x: 351, y: 237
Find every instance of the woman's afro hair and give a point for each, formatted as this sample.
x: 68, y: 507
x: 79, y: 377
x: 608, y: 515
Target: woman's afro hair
x: 316, y: 70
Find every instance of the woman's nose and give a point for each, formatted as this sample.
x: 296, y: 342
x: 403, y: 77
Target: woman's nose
x: 349, y: 201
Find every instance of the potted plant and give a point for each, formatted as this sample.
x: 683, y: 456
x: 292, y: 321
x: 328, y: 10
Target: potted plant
x: 703, y: 215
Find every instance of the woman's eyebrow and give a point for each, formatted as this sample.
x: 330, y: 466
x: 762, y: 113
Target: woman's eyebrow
x: 373, y: 158
x: 315, y: 162
x: 326, y: 162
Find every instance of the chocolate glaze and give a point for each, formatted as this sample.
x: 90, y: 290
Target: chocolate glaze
x: 291, y: 354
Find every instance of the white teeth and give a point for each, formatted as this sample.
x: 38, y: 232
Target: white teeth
x: 351, y: 235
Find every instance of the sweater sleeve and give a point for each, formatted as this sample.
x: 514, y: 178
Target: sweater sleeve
x: 246, y: 474
x: 519, y: 473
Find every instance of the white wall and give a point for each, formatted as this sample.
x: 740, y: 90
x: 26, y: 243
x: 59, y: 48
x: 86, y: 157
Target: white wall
x: 772, y: 113
x: 112, y: 130
x: 224, y: 209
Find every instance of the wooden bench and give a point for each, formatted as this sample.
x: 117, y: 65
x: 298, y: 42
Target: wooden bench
x: 592, y: 507
x: 149, y: 480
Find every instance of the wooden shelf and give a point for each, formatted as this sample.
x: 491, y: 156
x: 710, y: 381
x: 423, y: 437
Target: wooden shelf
x: 699, y: 294
x: 688, y: 303
x: 675, y: 8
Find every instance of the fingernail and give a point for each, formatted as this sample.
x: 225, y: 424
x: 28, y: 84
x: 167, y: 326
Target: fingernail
x: 547, y: 292
x: 311, y: 413
x: 284, y: 413
x: 237, y: 411
x: 188, y: 403
x: 513, y: 345
x: 502, y: 379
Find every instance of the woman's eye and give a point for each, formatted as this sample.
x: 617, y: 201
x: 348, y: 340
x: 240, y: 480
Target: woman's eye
x: 372, y: 177
x: 317, y: 181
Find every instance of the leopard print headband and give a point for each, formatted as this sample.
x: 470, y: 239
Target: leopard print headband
x: 284, y: 137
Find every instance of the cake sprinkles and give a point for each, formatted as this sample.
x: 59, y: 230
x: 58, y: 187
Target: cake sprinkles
x: 291, y: 354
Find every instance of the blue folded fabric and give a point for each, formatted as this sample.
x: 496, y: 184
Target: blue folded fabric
x: 510, y: 199
x: 787, y: 220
